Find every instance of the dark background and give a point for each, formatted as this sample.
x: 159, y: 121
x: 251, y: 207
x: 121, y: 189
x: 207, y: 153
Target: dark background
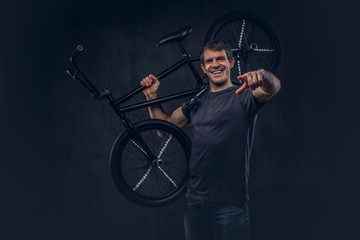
x: 55, y: 140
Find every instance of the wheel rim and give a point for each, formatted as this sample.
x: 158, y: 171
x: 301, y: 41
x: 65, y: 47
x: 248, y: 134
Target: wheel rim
x: 253, y: 42
x: 159, y: 181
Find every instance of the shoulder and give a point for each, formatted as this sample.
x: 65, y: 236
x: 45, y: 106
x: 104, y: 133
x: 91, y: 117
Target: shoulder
x: 193, y: 102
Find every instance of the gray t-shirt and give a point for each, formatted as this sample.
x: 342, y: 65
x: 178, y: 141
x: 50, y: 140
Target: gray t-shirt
x: 222, y: 132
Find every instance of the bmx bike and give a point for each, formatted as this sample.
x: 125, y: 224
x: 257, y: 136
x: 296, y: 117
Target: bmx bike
x: 149, y: 168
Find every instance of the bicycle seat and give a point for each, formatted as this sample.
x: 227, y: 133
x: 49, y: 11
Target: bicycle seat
x: 175, y: 36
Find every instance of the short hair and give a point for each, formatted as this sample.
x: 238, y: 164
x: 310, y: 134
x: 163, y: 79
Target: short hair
x: 216, y: 45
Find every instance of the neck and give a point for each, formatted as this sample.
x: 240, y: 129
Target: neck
x: 217, y: 88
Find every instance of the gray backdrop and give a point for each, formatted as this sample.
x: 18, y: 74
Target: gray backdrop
x: 55, y: 140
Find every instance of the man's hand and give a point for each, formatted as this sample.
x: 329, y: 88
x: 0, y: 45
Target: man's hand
x: 152, y: 84
x: 264, y: 84
x: 251, y: 80
x: 156, y: 112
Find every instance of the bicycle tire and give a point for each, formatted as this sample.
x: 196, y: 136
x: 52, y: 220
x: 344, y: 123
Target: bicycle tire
x: 154, y: 185
x: 253, y: 42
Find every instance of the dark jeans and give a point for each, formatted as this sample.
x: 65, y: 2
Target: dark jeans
x: 208, y: 220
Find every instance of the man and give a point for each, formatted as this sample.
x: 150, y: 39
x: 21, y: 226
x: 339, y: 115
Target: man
x: 223, y: 121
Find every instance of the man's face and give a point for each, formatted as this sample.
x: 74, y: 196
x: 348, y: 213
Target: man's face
x: 217, y: 66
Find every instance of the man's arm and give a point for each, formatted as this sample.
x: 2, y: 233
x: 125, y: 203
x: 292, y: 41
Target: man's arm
x: 177, y: 117
x: 264, y: 84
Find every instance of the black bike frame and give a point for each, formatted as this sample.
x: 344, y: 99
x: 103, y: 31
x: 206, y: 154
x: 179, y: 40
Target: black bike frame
x: 80, y: 78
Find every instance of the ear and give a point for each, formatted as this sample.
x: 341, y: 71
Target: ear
x: 203, y: 68
x: 232, y: 62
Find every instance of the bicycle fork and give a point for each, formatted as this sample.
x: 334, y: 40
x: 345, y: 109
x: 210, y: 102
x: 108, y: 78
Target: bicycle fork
x: 138, y: 141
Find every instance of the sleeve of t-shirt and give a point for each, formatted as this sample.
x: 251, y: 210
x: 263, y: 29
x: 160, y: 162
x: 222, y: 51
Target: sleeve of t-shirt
x: 185, y: 108
x: 251, y: 106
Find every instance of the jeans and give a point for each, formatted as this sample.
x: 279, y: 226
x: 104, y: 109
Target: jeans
x: 214, y: 221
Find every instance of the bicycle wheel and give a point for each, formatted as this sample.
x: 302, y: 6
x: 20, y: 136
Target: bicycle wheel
x: 160, y: 181
x: 253, y: 42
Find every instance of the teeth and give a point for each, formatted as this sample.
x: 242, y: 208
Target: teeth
x: 217, y: 72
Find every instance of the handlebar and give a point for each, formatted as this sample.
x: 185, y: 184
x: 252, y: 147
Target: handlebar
x: 75, y: 54
x: 79, y: 77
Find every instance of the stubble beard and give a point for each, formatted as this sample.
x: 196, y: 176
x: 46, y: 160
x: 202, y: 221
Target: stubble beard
x: 218, y: 83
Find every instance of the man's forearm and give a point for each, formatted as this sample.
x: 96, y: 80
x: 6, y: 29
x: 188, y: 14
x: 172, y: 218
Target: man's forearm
x: 270, y: 86
x: 156, y: 111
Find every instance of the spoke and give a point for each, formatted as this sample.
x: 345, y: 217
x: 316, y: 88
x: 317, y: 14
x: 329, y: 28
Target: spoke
x: 242, y: 32
x: 179, y: 169
x: 138, y: 146
x: 237, y: 39
x: 263, y: 50
x: 130, y: 170
x: 131, y: 152
x: 133, y: 159
x: 171, y: 153
x: 155, y: 189
x: 164, y: 146
x: 255, y: 61
x: 142, y: 179
x: 159, y: 185
x: 246, y: 36
x: 173, y: 162
x: 167, y: 176
x: 239, y: 69
x: 178, y: 176
x: 152, y: 139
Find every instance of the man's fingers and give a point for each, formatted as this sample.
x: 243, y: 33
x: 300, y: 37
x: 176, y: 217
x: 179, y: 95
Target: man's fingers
x: 242, y: 88
x: 249, y: 78
x: 260, y: 78
x: 242, y: 77
x: 149, y: 80
x: 153, y: 78
x: 146, y: 82
x: 252, y: 80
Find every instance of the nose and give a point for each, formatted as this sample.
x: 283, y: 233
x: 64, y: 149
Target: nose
x: 215, y: 64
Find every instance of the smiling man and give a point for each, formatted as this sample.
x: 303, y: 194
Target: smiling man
x: 223, y: 122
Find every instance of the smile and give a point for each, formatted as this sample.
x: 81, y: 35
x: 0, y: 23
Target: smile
x: 217, y: 72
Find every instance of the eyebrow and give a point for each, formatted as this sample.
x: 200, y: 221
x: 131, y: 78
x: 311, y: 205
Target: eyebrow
x: 218, y: 58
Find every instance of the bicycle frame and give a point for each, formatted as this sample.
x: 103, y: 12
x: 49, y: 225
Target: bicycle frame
x: 80, y: 78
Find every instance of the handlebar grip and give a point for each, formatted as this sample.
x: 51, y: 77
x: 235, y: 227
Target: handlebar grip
x: 78, y: 49
x: 71, y: 72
